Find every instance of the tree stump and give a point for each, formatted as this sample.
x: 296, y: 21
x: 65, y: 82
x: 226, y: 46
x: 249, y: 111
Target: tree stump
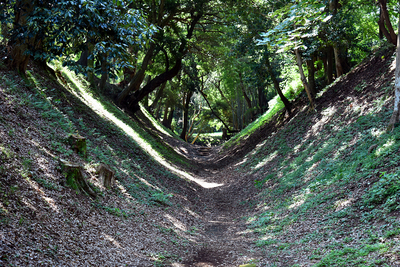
x: 78, y: 144
x: 106, y: 175
x: 75, y: 177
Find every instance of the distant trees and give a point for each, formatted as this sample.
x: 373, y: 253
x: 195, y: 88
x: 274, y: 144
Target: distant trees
x: 198, y: 62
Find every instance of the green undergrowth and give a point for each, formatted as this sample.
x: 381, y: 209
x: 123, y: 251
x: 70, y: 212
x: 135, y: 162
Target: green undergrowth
x: 112, y: 137
x: 330, y: 187
x: 276, y: 105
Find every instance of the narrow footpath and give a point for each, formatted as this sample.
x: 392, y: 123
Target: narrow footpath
x: 225, y: 238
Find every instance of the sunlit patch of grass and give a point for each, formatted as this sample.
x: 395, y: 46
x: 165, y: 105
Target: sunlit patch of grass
x: 317, y: 176
x: 112, y: 114
x: 276, y: 105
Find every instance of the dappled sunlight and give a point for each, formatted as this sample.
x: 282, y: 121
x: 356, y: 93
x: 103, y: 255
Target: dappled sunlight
x: 154, y: 123
x: 194, y: 214
x: 147, y: 183
x: 243, y: 161
x: 343, y: 203
x: 312, y: 172
x: 124, y: 191
x: 375, y: 132
x: 28, y: 204
x: 299, y: 200
x: 50, y: 202
x: 42, y: 148
x: 385, y: 149
x: 97, y: 107
x: 327, y: 115
x: 111, y: 239
x: 266, y: 160
x: 177, y: 223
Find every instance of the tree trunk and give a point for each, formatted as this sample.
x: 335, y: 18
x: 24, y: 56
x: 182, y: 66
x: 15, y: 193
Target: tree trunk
x: 303, y: 78
x: 137, y: 80
x: 262, y: 100
x: 104, y: 72
x: 248, y: 101
x: 396, y: 110
x: 90, y: 63
x: 286, y: 103
x: 186, y: 114
x: 75, y: 177
x: 19, y: 62
x: 311, y: 76
x: 169, y: 119
x: 338, y: 63
x: 384, y: 20
x: 83, y: 59
x: 159, y: 94
x: 166, y: 76
x: 329, y: 65
x: 165, y: 116
x: 106, y: 175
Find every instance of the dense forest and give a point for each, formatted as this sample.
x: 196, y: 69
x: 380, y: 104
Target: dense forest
x: 199, y: 133
x: 200, y: 66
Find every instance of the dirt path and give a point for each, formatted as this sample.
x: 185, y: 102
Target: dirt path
x: 225, y: 238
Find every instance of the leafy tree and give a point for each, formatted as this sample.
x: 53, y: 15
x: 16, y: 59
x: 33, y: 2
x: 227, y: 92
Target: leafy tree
x: 62, y: 29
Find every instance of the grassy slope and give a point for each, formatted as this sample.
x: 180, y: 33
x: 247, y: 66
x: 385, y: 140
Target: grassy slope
x: 144, y: 219
x: 330, y: 179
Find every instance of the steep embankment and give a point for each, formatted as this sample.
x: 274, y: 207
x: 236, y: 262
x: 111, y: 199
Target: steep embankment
x: 319, y: 188
x: 145, y: 219
x: 329, y: 180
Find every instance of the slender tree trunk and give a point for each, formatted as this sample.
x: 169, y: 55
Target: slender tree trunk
x: 186, y: 115
x: 104, y: 72
x: 165, y: 117
x: 90, y: 63
x: 168, y: 75
x: 157, y: 112
x: 286, y: 103
x: 19, y: 58
x: 396, y: 110
x: 137, y: 80
x: 385, y: 21
x: 311, y: 76
x: 215, y: 114
x: 262, y: 100
x: 159, y: 94
x: 338, y: 63
x: 246, y: 97
x: 303, y: 78
x: 170, y: 117
x: 83, y: 59
x: 329, y: 65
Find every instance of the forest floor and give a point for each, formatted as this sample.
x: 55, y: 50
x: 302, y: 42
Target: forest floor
x: 299, y: 191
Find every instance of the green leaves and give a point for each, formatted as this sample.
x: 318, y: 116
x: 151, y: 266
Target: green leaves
x: 386, y: 191
x: 63, y: 29
x: 298, y: 22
